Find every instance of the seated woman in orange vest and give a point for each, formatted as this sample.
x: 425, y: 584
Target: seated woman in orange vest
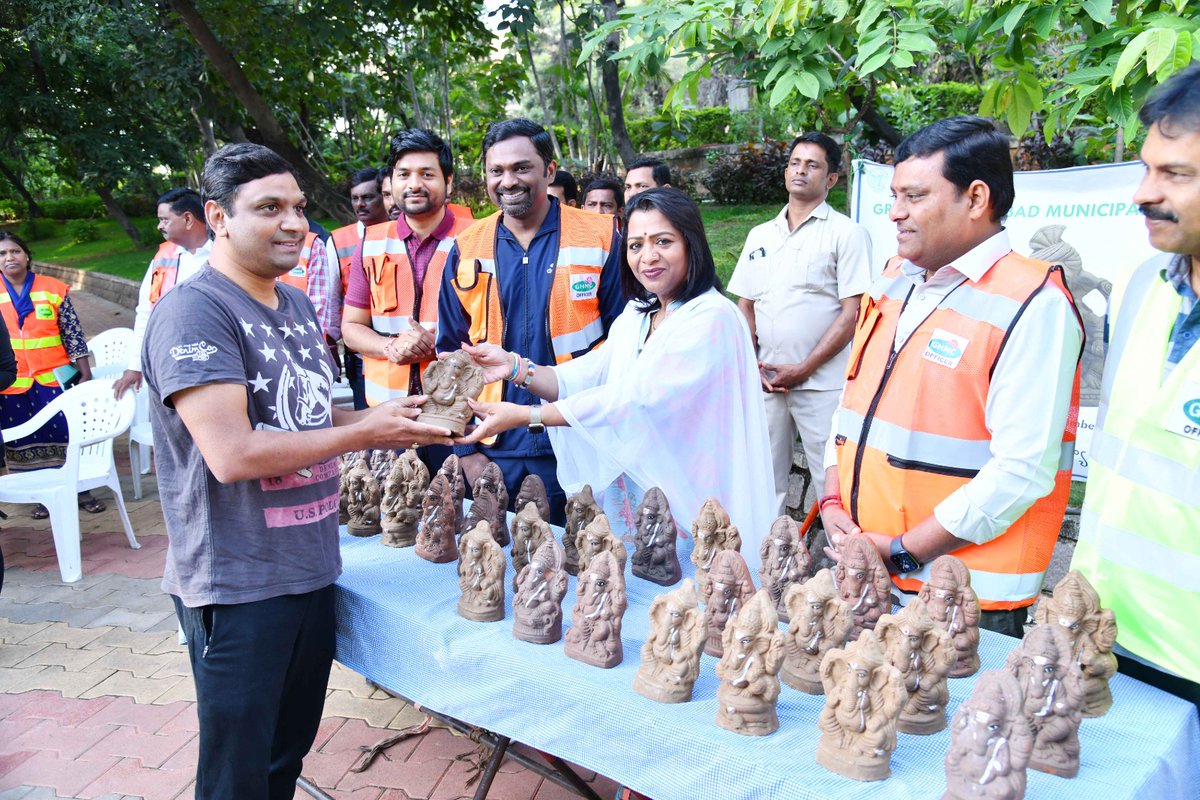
x: 671, y: 400
x: 51, y: 351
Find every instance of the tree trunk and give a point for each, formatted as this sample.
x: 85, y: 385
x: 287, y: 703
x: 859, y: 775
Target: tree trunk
x: 34, y: 209
x: 208, y: 141
x: 611, y: 82
x: 547, y: 120
x: 322, y: 193
x: 116, y: 212
x: 873, y: 119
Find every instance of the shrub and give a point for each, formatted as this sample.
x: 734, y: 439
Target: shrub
x: 138, y: 205
x: 471, y: 190
x: 913, y: 107
x: 8, y: 210
x: 754, y: 174
x: 692, y: 129
x: 147, y: 230
x: 81, y: 207
x: 83, y: 231
x: 39, y: 228
x: 1033, y: 153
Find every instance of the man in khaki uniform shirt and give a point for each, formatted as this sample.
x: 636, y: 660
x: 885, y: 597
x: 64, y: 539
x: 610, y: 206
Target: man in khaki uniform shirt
x: 799, y: 280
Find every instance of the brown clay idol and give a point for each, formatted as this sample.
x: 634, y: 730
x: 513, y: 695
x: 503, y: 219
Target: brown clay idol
x: 785, y: 561
x: 597, y: 538
x: 381, y: 464
x: 537, y: 603
x: 489, y: 503
x: 595, y: 634
x: 401, y: 507
x: 749, y: 669
x: 654, y: 558
x: 362, y: 500
x: 1075, y: 607
x: 729, y: 587
x: 671, y: 654
x: 452, y: 469
x: 864, y: 697
x: 533, y: 490
x: 990, y: 742
x: 954, y: 607
x: 449, y: 383
x: 345, y: 462
x: 581, y: 510
x: 481, y: 566
x: 435, y: 534
x: 819, y: 620
x: 712, y: 532
x: 914, y: 644
x: 529, y: 532
x: 862, y: 581
x: 1053, y: 689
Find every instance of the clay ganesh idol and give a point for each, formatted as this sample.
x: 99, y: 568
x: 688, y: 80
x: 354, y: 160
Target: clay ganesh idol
x: 865, y: 695
x: 749, y: 669
x: 862, y: 581
x: 435, y: 534
x: 457, y: 482
x: 990, y: 742
x: 581, y: 510
x: 489, y: 503
x: 537, y: 602
x: 481, y: 566
x: 529, y: 532
x: 533, y: 490
x: 1053, y: 688
x: 729, y: 588
x: 655, y: 558
x: 914, y: 644
x: 819, y: 621
x: 400, y: 509
x: 449, y: 383
x: 362, y: 500
x: 712, y: 532
x: 597, y: 538
x: 954, y: 607
x: 1075, y: 607
x: 595, y: 634
x: 785, y: 561
x: 671, y: 654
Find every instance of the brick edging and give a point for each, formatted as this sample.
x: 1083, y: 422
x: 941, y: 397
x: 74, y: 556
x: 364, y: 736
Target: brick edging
x: 122, y: 291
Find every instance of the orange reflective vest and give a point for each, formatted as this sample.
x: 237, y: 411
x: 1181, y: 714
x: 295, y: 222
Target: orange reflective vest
x: 390, y: 278
x: 911, y: 428
x: 164, y: 269
x: 345, y: 242
x: 298, y: 276
x: 461, y: 212
x: 38, y: 345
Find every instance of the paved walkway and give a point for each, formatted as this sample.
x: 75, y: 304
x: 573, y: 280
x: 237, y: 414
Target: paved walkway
x: 96, y: 696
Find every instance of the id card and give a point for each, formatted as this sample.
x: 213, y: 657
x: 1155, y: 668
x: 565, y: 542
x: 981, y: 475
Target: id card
x: 1183, y: 418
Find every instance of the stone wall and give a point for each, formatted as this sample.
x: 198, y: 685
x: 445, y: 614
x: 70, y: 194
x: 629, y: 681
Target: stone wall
x: 689, y: 163
x: 122, y: 291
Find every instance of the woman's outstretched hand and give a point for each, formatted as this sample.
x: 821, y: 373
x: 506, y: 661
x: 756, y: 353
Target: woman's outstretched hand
x: 496, y: 362
x: 494, y: 418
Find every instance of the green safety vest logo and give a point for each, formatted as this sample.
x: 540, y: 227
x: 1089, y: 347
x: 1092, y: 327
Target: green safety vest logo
x: 298, y: 271
x: 1192, y: 409
x: 584, y: 288
x: 945, y: 348
x: 42, y: 311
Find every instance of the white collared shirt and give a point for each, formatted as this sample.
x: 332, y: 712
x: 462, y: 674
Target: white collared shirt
x: 189, y: 265
x: 1028, y: 398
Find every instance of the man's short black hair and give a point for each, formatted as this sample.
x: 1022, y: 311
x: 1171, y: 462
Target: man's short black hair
x: 236, y: 164
x: 833, y: 151
x: 974, y: 150
x: 569, y: 185
x: 658, y: 170
x: 366, y: 174
x: 421, y: 140
x: 611, y: 184
x: 517, y: 127
x: 1175, y: 104
x: 182, y: 199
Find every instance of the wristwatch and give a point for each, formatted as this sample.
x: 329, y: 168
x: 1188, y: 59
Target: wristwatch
x: 902, y: 560
x: 535, y: 420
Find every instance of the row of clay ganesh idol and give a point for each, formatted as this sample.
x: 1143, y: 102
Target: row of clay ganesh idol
x: 881, y: 672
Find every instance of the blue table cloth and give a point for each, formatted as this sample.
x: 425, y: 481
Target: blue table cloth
x: 397, y: 624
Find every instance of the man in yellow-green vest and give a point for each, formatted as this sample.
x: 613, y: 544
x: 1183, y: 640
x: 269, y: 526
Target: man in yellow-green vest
x: 1139, y: 539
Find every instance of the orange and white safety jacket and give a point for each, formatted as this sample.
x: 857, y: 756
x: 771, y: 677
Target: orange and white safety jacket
x: 38, y: 345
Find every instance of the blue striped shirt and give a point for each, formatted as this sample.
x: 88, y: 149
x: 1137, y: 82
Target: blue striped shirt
x: 1187, y: 325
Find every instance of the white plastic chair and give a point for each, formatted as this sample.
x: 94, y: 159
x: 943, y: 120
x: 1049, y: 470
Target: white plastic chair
x: 141, y: 440
x: 94, y: 419
x: 111, y: 351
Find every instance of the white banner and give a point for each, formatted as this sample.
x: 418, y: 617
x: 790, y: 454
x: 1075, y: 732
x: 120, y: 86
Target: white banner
x: 1083, y: 218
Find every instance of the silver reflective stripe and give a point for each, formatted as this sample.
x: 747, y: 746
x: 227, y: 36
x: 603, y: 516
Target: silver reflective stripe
x: 895, y: 287
x: 582, y: 256
x: 1155, y: 472
x: 445, y: 245
x: 994, y: 309
x: 1131, y: 551
x: 377, y: 247
x: 575, y: 341
x: 1066, y: 459
x: 1105, y: 448
x: 486, y: 265
x: 377, y: 394
x: 390, y: 325
x: 995, y: 586
x: 930, y: 448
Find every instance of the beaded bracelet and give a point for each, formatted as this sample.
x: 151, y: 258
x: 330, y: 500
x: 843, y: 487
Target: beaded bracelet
x: 529, y: 375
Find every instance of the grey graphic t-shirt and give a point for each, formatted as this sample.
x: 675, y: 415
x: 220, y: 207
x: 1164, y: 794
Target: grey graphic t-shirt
x: 255, y: 539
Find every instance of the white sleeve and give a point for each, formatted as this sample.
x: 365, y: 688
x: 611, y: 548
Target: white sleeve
x: 141, y: 315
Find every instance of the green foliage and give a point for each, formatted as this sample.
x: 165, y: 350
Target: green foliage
x: 754, y: 174
x: 79, y: 207
x: 913, y: 106
x: 83, y: 231
x: 8, y: 210
x: 38, y: 228
x: 691, y: 128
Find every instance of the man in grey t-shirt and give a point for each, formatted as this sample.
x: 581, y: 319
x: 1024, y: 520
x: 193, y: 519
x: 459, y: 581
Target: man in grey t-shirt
x: 247, y: 439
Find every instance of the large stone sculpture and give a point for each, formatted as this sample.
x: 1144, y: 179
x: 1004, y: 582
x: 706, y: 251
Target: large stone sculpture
x: 914, y: 644
x: 529, y: 532
x: 654, y: 558
x: 481, y: 565
x: 489, y: 503
x: 533, y: 490
x: 864, y: 697
x: 449, y: 383
x: 537, y: 602
x: 954, y: 607
x: 729, y: 587
x: 990, y: 742
x: 452, y: 469
x: 581, y: 510
x: 1053, y: 689
x: 401, y: 507
x: 595, y: 634
x: 435, y: 535
x: 671, y: 654
x: 785, y: 561
x: 749, y: 669
x: 362, y: 500
x: 598, y: 537
x: 819, y: 620
x: 712, y: 532
x: 862, y: 581
x: 1075, y: 607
